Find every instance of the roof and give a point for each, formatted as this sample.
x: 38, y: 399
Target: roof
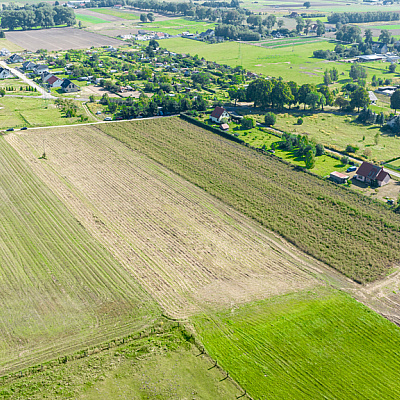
x: 339, y: 175
x: 218, y: 111
x: 372, y: 96
x: 371, y: 171
x: 224, y: 126
x: 52, y: 79
x: 66, y: 83
x: 4, y: 69
x: 371, y: 57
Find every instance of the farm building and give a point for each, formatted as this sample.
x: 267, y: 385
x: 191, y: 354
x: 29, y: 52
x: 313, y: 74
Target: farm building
x: 370, y: 58
x: 5, y: 73
x: 370, y: 173
x: 338, y: 177
x: 218, y: 114
x: 15, y: 58
x: 372, y: 98
x: 68, y: 87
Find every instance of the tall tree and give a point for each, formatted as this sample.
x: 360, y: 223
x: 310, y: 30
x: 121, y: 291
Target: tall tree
x: 384, y: 37
x: 368, y: 36
x: 395, y: 100
x: 359, y: 98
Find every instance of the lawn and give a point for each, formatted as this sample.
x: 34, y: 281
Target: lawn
x: 60, y: 289
x: 162, y: 365
x: 290, y: 62
x: 89, y: 19
x: 302, y: 208
x: 320, y: 344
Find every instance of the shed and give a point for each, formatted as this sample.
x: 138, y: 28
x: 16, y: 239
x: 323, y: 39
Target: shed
x: 338, y: 177
x: 224, y: 127
x: 372, y: 97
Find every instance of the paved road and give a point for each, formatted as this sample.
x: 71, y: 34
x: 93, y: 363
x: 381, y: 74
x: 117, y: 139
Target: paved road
x: 30, y: 82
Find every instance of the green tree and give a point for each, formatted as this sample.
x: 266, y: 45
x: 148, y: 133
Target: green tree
x: 312, y: 99
x: 327, y: 78
x: 259, y: 92
x: 143, y: 17
x: 307, y: 4
x: 310, y: 159
x: 395, y: 100
x: 150, y: 17
x: 357, y: 72
x: 299, y: 24
x: 368, y: 36
x: 92, y: 99
x: 270, y: 119
x: 248, y: 123
x: 334, y: 74
x: 384, y: 37
x: 359, y: 98
x: 320, y: 28
x: 392, y: 68
x: 281, y: 22
x: 281, y: 94
x: 327, y: 94
x: 303, y: 92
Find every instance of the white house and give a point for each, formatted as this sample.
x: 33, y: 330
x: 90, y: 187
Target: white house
x: 219, y: 114
x: 5, y: 73
x: 53, y: 81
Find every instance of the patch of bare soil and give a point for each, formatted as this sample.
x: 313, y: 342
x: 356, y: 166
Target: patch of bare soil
x: 185, y: 247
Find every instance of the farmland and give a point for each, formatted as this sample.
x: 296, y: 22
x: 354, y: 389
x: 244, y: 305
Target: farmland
x: 60, y: 289
x: 309, y: 345
x: 90, y: 19
x: 182, y: 245
x: 300, y: 207
x: 59, y: 39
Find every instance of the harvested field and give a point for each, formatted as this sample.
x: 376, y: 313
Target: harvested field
x: 188, y: 249
x: 60, y: 290
x: 59, y: 39
x: 350, y: 232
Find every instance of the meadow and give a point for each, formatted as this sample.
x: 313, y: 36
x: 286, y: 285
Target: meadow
x: 290, y: 62
x: 116, y: 13
x: 302, y: 208
x: 60, y: 289
x: 318, y: 344
x: 89, y: 19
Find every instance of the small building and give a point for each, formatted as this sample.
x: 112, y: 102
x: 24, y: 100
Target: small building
x: 338, y: 177
x: 370, y: 173
x: 5, y: 73
x: 68, y: 87
x: 28, y: 66
x: 41, y: 69
x: 15, y: 58
x: 224, y: 127
x: 371, y: 57
x: 379, y: 48
x: 293, y: 14
x: 218, y: 114
x: 372, y: 98
x: 53, y: 81
x: 5, y: 52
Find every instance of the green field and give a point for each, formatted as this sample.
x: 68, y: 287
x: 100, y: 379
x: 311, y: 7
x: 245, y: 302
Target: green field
x: 319, y: 344
x: 18, y: 112
x: 4, y: 43
x: 290, y: 62
x: 162, y: 365
x: 116, y: 13
x: 89, y: 19
x: 302, y: 208
x: 60, y: 289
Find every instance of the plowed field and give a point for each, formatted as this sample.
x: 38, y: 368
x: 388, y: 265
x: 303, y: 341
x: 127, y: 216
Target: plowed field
x: 188, y: 249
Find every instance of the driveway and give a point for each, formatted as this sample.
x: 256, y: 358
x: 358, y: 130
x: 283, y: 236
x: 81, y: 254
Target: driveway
x: 30, y: 82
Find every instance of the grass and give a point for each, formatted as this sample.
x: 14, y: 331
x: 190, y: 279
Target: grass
x: 60, y: 289
x: 115, y: 13
x: 302, y: 208
x: 161, y: 365
x: 90, y: 19
x: 290, y: 62
x: 4, y: 43
x: 30, y: 112
x: 310, y: 345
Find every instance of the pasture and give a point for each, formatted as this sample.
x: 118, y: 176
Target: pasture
x: 115, y: 13
x: 302, y: 208
x: 59, y: 39
x: 60, y: 289
x: 89, y: 19
x: 183, y: 246
x: 309, y: 345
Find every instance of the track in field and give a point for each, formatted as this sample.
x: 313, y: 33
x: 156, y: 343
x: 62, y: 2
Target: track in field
x: 186, y: 248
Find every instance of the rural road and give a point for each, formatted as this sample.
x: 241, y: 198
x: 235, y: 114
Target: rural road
x: 30, y: 82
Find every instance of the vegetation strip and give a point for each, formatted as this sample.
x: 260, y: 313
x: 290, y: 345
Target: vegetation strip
x: 352, y: 233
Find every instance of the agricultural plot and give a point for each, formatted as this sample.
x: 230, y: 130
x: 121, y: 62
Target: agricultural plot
x: 105, y: 16
x: 184, y: 246
x: 59, y: 39
x: 115, y: 14
x: 60, y: 289
x: 323, y: 219
x: 310, y: 345
x: 89, y: 19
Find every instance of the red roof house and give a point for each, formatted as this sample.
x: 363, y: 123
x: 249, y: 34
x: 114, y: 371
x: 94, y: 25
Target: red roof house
x: 370, y: 173
x: 218, y: 114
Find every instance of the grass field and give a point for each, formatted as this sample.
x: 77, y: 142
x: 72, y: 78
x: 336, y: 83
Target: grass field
x: 4, y: 43
x: 116, y: 13
x: 184, y: 246
x: 318, y: 344
x: 89, y: 19
x: 30, y: 112
x: 163, y: 365
x: 290, y: 62
x: 60, y: 289
x: 302, y: 208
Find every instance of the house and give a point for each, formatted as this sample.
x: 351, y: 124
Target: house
x: 218, y: 114
x: 28, y: 66
x: 5, y: 52
x: 5, y: 73
x: 15, y: 58
x: 372, y: 98
x: 338, y: 177
x: 293, y: 14
x: 40, y: 69
x: 208, y: 34
x: 53, y: 81
x: 379, y: 48
x: 67, y: 86
x: 370, y: 173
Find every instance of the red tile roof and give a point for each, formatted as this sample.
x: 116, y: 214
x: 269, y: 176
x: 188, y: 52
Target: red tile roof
x: 371, y: 171
x: 52, y: 79
x: 218, y: 111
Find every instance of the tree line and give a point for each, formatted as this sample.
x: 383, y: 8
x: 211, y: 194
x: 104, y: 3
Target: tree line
x: 44, y: 16
x: 358, y: 17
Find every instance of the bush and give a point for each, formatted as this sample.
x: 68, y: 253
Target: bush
x: 344, y: 160
x: 319, y: 150
x: 270, y: 119
x: 248, y: 123
x: 350, y: 148
x: 299, y: 121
